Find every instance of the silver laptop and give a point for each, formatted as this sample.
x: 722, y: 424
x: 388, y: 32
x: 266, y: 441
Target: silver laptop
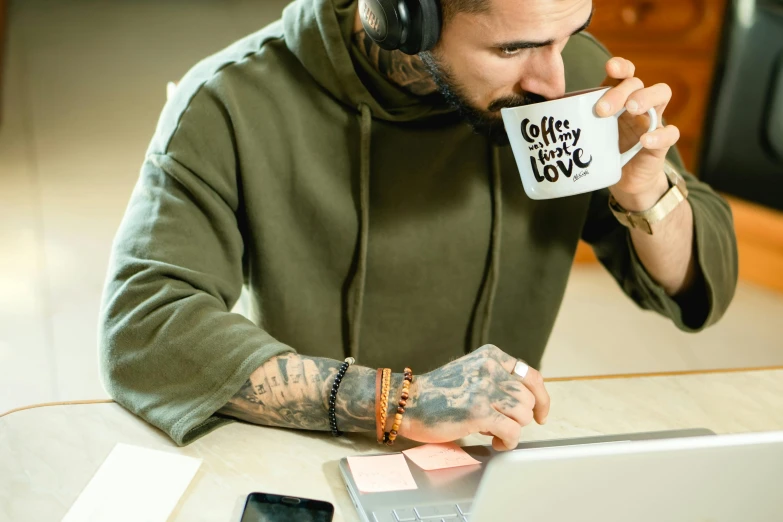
x: 686, y: 475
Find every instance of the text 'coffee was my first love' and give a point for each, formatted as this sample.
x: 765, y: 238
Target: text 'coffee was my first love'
x: 556, y: 142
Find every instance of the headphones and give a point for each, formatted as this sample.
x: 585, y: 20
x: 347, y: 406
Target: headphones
x: 412, y: 26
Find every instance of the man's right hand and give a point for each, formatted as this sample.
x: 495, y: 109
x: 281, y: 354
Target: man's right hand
x: 475, y: 394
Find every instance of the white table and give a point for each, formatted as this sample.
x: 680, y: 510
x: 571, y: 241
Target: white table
x: 48, y: 454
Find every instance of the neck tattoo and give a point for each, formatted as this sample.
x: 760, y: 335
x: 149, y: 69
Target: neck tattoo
x: 403, y: 70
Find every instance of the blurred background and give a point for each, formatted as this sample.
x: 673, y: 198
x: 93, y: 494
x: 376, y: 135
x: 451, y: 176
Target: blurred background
x: 83, y: 82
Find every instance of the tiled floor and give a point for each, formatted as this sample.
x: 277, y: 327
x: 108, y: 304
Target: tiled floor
x: 84, y: 83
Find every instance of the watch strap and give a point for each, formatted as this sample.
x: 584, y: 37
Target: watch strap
x: 677, y: 193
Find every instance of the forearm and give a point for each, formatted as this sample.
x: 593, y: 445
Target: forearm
x: 667, y: 254
x: 292, y: 391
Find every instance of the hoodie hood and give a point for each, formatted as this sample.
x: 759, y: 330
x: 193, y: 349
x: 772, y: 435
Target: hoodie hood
x: 319, y: 33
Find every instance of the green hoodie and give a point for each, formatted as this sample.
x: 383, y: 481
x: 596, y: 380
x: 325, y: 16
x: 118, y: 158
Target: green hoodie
x: 362, y: 220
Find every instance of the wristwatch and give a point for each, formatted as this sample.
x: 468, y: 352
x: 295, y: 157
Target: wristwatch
x: 676, y: 194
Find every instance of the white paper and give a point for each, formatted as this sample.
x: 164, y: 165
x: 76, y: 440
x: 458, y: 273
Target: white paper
x: 135, y: 485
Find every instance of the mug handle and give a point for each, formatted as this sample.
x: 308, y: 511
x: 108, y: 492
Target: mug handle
x: 626, y: 156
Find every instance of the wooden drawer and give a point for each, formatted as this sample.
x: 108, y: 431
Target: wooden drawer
x: 690, y: 80
x: 658, y: 25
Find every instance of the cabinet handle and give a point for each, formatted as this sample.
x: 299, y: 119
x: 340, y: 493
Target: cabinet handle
x: 634, y: 14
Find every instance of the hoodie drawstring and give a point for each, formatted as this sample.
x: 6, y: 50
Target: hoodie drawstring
x: 357, y: 287
x: 494, y: 248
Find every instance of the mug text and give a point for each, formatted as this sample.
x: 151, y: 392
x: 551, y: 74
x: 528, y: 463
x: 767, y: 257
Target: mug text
x: 557, y: 133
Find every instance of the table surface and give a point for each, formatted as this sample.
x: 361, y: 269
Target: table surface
x: 48, y: 454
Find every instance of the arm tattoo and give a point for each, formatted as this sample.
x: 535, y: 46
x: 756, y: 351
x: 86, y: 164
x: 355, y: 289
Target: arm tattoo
x: 404, y: 70
x: 292, y: 391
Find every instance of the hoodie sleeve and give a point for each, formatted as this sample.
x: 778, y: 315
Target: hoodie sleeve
x: 171, y: 351
x: 715, y: 247
x: 715, y: 244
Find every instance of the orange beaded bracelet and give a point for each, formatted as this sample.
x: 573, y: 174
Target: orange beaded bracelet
x: 378, y: 427
x: 383, y: 404
x: 406, y: 384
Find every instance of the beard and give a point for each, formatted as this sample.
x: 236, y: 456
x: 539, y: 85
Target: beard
x: 486, y: 122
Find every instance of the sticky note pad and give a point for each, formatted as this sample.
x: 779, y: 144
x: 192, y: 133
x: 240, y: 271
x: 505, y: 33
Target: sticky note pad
x: 440, y: 456
x: 134, y: 484
x: 381, y: 473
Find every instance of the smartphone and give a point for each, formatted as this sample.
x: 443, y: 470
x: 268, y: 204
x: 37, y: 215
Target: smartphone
x: 265, y: 507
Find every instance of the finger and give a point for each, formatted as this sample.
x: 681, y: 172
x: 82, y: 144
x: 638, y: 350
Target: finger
x: 313, y: 382
x: 296, y: 379
x: 258, y: 387
x: 516, y: 390
x: 274, y: 378
x: 534, y: 382
x: 620, y: 68
x: 504, y: 430
x: 499, y: 445
x: 662, y: 138
x: 615, y: 98
x: 658, y: 96
x: 518, y: 403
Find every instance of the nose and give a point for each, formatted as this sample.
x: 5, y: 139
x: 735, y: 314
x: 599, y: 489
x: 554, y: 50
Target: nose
x: 544, y: 73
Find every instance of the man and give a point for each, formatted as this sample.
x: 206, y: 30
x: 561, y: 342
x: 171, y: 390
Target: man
x: 366, y: 218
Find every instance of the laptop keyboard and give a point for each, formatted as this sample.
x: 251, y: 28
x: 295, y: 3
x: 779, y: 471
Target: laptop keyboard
x: 443, y: 513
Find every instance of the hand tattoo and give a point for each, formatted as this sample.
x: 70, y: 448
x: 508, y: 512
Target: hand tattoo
x: 404, y: 70
x: 461, y: 390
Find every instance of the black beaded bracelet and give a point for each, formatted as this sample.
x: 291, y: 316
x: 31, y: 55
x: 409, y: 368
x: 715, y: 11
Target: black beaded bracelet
x: 333, y: 395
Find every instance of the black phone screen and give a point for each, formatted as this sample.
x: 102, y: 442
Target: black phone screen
x: 262, y: 507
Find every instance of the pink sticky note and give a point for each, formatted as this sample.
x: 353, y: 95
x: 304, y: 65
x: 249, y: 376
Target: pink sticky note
x: 440, y: 456
x: 381, y: 473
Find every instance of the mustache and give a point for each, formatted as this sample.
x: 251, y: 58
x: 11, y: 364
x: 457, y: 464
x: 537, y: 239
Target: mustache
x: 506, y: 102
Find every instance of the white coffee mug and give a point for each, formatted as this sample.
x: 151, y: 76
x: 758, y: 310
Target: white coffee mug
x: 563, y: 147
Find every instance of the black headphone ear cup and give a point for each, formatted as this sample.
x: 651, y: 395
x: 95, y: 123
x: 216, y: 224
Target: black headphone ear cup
x: 411, y: 26
x: 430, y: 24
x: 382, y: 22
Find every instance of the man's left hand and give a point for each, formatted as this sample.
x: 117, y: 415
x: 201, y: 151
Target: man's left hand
x: 643, y: 181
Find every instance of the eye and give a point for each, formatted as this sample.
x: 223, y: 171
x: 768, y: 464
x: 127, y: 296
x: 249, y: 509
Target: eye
x: 508, y: 51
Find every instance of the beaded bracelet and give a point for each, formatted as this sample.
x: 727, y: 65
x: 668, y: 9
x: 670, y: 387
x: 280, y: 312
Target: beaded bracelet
x: 333, y: 395
x: 407, y: 377
x: 384, y: 404
x: 378, y: 383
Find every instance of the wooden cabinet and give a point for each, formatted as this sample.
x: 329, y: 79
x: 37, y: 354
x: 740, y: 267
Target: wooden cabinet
x: 675, y: 42
x: 670, y: 41
x: 658, y: 27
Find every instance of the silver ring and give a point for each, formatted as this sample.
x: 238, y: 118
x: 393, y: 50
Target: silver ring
x: 520, y: 369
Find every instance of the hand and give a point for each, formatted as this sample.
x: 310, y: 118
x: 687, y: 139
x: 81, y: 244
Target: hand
x: 643, y: 181
x: 475, y: 394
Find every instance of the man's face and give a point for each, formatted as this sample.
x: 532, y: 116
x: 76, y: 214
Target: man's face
x: 506, y: 57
